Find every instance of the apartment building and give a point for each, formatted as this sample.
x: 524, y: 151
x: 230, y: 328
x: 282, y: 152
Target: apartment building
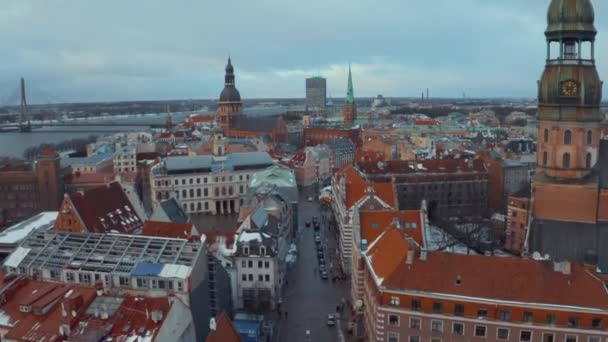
x: 413, y: 295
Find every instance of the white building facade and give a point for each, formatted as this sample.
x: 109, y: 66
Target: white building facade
x: 124, y: 159
x: 207, y: 184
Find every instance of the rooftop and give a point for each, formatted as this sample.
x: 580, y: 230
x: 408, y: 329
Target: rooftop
x: 108, y: 253
x: 520, y: 281
x: 106, y: 208
x: 223, y: 331
x: 206, y: 163
x: 15, y: 233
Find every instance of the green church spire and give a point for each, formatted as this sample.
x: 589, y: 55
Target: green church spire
x: 350, y: 95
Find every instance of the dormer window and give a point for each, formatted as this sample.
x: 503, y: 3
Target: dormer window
x: 262, y: 251
x: 246, y: 250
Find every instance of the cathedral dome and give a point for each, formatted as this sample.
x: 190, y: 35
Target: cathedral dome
x: 230, y: 94
x: 571, y: 18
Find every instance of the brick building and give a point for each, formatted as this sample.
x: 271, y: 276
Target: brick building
x: 99, y: 210
x: 235, y: 123
x: 414, y: 295
x: 518, y: 214
x: 320, y: 135
x: 26, y: 189
x: 570, y: 189
x: 451, y: 187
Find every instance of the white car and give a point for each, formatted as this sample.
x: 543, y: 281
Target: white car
x: 331, y: 320
x: 309, y: 198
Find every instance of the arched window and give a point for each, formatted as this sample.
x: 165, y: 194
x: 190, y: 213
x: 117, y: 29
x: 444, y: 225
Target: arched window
x: 566, y: 161
x: 588, y: 161
x: 568, y: 137
x: 589, y: 137
x: 544, y: 158
x: 546, y: 135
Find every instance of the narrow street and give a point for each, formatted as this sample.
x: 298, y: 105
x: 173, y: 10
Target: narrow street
x: 307, y: 298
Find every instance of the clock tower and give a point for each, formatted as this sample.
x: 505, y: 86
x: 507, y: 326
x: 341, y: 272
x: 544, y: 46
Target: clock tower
x: 569, y: 93
x: 570, y: 188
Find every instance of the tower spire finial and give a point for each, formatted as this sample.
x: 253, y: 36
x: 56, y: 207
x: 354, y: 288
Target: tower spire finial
x: 350, y: 94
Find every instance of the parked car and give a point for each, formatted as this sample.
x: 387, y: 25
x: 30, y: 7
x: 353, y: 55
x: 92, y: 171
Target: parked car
x: 309, y: 198
x: 317, y: 239
x: 307, y: 224
x: 331, y: 320
x: 324, y: 275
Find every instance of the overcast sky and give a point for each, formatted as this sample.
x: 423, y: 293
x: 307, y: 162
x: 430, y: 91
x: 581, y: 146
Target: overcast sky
x: 94, y: 50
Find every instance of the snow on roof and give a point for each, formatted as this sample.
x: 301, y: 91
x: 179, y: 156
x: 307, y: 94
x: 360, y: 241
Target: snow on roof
x: 16, y: 257
x: 175, y: 271
x: 15, y: 233
x: 248, y: 237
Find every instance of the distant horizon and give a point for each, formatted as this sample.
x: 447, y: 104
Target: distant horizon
x: 270, y: 99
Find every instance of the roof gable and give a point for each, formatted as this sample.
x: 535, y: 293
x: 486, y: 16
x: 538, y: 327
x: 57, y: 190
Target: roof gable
x: 224, y: 331
x: 106, y: 208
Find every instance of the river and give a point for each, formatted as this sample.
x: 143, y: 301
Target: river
x: 13, y: 144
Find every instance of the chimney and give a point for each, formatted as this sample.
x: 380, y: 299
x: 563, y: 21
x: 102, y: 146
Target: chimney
x: 410, y: 257
x: 156, y: 316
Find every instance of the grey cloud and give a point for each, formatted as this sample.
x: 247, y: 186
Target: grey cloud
x: 122, y: 50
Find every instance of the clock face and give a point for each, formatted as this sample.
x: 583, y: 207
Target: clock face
x: 569, y: 88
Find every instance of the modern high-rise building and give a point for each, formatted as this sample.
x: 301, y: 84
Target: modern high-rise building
x: 570, y: 189
x: 316, y: 93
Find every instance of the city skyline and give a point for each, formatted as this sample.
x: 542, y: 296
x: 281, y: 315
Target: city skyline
x: 397, y: 48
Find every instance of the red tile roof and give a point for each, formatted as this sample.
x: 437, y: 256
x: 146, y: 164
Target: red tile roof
x: 518, y: 279
x: 224, y: 331
x: 135, y: 313
x: 429, y: 122
x: 106, y: 208
x: 387, y: 253
x: 423, y: 166
x: 170, y: 230
x: 385, y: 191
x: 357, y: 187
x: 373, y: 223
x: 136, y: 319
x: 37, y: 325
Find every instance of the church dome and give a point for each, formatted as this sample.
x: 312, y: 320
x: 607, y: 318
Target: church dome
x: 230, y: 94
x: 570, y: 18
